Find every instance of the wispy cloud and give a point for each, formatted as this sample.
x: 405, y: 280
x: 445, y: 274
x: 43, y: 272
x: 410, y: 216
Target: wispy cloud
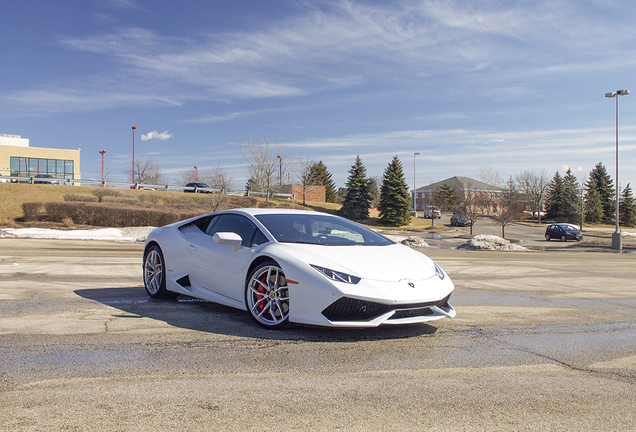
x: 351, y: 44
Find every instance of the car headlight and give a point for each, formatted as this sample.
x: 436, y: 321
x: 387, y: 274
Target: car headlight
x: 439, y: 272
x: 337, y: 276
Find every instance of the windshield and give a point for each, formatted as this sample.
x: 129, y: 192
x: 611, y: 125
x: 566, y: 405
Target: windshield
x: 320, y: 229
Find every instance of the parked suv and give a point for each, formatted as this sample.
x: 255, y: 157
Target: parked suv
x: 432, y: 212
x: 194, y: 187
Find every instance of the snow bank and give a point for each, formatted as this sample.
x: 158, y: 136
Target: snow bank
x: 491, y: 242
x: 133, y: 234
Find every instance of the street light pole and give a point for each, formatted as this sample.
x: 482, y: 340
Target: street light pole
x: 102, y: 153
x: 280, y: 175
x: 414, y: 188
x: 133, y: 159
x: 196, y: 174
x: 617, y: 240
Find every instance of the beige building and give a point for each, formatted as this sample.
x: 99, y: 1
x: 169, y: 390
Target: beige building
x: 18, y: 159
x: 469, y: 192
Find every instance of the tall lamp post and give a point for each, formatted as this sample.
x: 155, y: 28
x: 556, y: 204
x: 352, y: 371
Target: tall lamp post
x: 617, y: 241
x: 133, y: 160
x: 414, y: 188
x: 196, y: 174
x: 280, y: 175
x: 101, y: 152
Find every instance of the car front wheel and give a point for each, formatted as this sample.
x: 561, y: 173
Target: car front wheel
x: 267, y: 296
x: 547, y: 237
x: 155, y: 275
x: 563, y: 238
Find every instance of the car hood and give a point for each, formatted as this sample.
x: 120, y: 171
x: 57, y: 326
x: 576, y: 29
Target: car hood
x: 383, y: 263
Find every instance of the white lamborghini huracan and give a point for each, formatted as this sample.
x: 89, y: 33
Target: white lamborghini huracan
x: 296, y: 266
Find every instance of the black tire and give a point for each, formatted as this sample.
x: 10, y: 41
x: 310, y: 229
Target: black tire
x: 155, y: 274
x: 267, y: 296
x: 563, y: 238
x: 547, y: 237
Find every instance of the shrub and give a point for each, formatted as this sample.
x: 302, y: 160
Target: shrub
x: 121, y: 199
x: 80, y: 197
x: 33, y: 210
x: 102, y: 192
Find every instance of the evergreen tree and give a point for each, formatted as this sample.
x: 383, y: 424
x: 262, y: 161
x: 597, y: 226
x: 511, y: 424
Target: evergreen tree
x: 572, y: 200
x: 555, y: 203
x: 593, y: 204
x: 605, y: 188
x: 627, y: 208
x: 358, y: 198
x: 395, y: 202
x: 447, y: 197
x: 319, y: 171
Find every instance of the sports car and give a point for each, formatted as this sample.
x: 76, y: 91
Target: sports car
x: 295, y: 266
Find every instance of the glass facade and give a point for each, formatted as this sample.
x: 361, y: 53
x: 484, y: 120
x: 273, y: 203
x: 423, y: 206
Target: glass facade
x: 28, y: 167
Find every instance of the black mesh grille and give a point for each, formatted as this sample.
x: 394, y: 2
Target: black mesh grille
x: 349, y: 309
x: 409, y: 313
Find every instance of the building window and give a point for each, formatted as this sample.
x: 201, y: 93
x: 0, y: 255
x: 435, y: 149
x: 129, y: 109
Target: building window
x: 28, y: 167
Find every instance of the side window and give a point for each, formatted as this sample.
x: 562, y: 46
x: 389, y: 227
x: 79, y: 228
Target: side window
x: 235, y: 224
x: 259, y: 238
x: 204, y: 223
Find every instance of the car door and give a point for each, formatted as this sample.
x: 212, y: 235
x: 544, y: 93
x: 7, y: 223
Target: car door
x: 218, y: 267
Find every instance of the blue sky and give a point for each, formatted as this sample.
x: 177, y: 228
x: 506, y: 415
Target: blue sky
x: 507, y: 85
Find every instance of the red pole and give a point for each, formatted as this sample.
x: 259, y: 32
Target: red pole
x: 196, y: 175
x: 133, y: 160
x: 102, y: 153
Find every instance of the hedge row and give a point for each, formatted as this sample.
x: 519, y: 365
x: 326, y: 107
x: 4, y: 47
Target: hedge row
x: 101, y: 214
x: 121, y: 210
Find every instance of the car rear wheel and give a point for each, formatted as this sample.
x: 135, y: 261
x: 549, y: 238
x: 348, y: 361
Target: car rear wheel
x: 563, y: 238
x: 547, y: 237
x: 155, y: 275
x: 267, y: 296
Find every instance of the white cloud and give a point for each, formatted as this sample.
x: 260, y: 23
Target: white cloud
x: 155, y: 135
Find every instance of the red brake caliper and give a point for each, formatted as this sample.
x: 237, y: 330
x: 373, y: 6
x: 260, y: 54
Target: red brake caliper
x: 261, y: 305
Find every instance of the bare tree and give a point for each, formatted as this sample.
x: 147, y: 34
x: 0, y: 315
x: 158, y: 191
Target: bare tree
x: 509, y: 206
x: 375, y: 183
x: 490, y: 176
x: 472, y: 203
x: 217, y: 178
x: 265, y: 165
x: 148, y: 171
x: 305, y: 176
x: 186, y: 176
x: 534, y: 186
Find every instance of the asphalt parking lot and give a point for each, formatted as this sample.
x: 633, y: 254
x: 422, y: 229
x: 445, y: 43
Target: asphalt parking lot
x: 542, y: 341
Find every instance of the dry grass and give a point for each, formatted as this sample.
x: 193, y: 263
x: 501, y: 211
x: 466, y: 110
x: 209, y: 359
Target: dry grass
x: 13, y: 195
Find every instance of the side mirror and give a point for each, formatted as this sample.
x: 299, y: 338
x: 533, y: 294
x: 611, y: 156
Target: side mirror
x: 228, y: 238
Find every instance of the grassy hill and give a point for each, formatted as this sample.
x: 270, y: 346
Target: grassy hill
x: 12, y: 195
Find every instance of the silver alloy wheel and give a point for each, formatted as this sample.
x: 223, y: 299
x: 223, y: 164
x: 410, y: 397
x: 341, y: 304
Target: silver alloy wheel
x: 563, y: 238
x: 153, y: 272
x: 547, y: 237
x: 268, y: 296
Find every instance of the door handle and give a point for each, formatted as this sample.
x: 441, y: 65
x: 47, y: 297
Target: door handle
x: 193, y: 248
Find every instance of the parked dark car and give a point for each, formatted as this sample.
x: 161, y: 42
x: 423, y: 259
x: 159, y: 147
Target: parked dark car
x: 194, y: 186
x: 563, y: 232
x: 45, y: 179
x: 459, y: 220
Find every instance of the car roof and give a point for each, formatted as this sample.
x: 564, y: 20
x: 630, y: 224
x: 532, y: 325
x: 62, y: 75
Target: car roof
x: 262, y: 211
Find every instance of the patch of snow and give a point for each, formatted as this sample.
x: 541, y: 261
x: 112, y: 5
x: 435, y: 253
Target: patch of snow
x: 133, y: 234
x: 491, y: 242
x: 414, y: 242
